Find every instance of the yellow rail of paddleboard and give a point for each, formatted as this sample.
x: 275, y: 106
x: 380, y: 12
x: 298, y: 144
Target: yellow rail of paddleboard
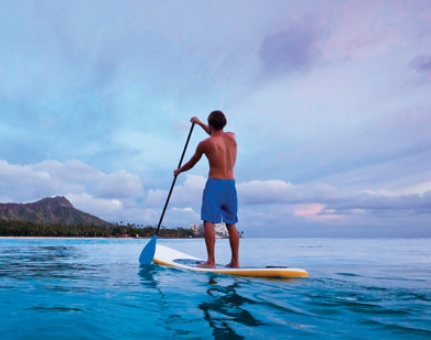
x: 251, y: 272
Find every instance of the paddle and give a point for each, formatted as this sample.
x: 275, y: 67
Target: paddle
x: 149, y: 250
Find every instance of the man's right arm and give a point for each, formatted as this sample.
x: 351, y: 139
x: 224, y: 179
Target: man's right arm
x: 191, y: 163
x: 196, y: 120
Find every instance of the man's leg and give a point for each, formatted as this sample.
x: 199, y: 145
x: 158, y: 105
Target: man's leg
x: 209, y: 234
x: 234, y: 245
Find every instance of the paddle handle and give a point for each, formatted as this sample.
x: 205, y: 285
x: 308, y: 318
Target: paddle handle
x: 175, y: 179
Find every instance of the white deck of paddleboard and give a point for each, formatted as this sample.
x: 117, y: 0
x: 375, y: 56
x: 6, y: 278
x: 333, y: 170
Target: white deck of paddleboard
x: 166, y: 256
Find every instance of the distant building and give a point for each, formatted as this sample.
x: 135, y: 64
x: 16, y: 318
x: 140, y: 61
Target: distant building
x: 220, y: 230
x: 197, y: 229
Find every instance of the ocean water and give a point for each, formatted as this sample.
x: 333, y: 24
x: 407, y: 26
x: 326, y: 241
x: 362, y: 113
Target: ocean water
x: 95, y: 289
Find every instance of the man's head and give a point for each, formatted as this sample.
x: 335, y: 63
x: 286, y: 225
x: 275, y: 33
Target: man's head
x: 217, y: 120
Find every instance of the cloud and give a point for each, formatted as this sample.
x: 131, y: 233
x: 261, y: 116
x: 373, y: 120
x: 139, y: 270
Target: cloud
x: 190, y: 191
x: 265, y: 192
x: 281, y: 204
x: 377, y: 202
x: 119, y: 196
x: 295, y: 49
x: 422, y: 65
x: 110, y: 210
x: 329, y: 208
x: 280, y: 192
x: 107, y: 195
x: 323, y: 199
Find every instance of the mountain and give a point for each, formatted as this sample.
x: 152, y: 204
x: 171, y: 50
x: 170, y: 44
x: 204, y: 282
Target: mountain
x: 50, y: 210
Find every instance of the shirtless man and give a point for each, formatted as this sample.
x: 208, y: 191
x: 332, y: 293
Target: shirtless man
x: 220, y: 197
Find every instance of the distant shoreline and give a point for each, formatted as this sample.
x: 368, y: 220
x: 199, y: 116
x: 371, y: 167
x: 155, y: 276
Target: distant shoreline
x: 72, y: 237
x: 94, y: 238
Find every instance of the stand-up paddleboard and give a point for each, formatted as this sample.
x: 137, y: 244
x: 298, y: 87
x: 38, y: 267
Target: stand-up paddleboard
x: 166, y: 256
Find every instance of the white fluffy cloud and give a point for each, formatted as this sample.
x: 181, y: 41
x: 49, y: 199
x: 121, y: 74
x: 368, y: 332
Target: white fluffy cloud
x: 106, y: 195
x: 284, y: 208
x: 265, y: 207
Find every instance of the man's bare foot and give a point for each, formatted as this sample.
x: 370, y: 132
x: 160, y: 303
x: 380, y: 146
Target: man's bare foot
x: 232, y: 265
x: 206, y: 265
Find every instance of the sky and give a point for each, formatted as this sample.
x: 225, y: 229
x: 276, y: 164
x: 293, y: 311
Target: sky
x: 330, y: 102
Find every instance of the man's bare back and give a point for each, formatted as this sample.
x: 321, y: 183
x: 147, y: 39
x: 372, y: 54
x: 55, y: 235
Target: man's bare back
x: 220, y: 150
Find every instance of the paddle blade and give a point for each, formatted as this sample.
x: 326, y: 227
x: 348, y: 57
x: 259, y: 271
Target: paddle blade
x: 148, y: 252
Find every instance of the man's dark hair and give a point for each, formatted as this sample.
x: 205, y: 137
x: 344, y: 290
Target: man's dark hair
x: 217, y: 120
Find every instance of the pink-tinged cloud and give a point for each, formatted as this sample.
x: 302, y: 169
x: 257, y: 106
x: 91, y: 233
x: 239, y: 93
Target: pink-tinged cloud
x: 316, y: 212
x: 360, y: 31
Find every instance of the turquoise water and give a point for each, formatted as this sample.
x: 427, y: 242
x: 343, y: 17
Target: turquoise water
x: 95, y: 289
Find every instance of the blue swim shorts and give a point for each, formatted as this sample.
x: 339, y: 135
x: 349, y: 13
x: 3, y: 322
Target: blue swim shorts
x: 220, y: 201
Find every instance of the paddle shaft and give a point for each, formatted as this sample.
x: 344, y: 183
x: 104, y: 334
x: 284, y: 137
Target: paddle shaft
x: 175, y: 179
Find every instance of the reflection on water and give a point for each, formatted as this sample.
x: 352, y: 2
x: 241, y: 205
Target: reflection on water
x: 226, y: 307
x: 148, y: 278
